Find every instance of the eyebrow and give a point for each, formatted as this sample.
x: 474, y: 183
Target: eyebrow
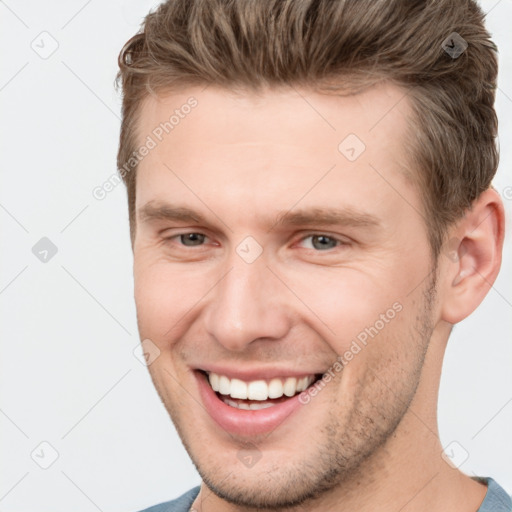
x: 152, y: 211
x: 326, y: 217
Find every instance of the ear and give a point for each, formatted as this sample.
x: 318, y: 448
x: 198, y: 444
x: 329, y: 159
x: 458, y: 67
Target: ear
x: 472, y: 257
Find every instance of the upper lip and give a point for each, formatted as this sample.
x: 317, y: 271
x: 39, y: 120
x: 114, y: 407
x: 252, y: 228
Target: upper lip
x: 262, y: 373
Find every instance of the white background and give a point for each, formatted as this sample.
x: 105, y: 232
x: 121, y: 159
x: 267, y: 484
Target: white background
x: 68, y: 329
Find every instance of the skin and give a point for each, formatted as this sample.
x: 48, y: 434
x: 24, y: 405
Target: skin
x: 368, y: 440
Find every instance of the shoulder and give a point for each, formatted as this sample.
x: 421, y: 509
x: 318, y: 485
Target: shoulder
x: 181, y: 504
x: 496, y: 499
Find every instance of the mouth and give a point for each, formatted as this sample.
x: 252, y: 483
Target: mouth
x: 249, y: 408
x: 258, y: 394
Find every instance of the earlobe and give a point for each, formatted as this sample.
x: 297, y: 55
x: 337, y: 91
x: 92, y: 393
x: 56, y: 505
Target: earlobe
x: 474, y: 257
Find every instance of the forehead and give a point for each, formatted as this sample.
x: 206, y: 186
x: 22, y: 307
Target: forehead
x: 277, y: 115
x: 272, y: 148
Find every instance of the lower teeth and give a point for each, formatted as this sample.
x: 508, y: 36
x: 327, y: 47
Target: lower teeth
x: 248, y: 407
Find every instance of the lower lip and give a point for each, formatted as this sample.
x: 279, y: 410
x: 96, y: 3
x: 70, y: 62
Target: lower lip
x: 240, y: 421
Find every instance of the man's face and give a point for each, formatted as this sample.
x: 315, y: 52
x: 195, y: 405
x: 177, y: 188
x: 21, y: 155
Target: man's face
x: 299, y: 250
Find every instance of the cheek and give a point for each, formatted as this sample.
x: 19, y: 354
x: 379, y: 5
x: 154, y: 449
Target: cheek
x: 165, y: 296
x: 350, y: 304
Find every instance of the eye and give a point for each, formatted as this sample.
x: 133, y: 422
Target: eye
x: 190, y: 239
x: 321, y: 242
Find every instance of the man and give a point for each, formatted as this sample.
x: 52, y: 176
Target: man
x: 311, y: 212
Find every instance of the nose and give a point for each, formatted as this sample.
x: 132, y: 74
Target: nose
x: 248, y: 304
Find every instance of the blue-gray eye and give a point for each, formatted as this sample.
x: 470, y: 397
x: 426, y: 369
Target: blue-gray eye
x: 192, y: 239
x: 322, y: 242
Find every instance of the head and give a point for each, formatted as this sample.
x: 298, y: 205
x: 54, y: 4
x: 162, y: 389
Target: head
x: 309, y: 190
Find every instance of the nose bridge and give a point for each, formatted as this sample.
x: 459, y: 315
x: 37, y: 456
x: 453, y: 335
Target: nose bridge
x: 245, y: 306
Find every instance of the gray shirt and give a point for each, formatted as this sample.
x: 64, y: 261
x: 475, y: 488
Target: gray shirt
x: 496, y: 500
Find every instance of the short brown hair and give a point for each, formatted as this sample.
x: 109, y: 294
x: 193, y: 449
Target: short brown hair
x: 327, y: 46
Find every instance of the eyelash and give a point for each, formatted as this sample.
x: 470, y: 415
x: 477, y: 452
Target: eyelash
x: 338, y: 241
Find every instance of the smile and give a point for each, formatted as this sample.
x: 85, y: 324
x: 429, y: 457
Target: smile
x: 250, y: 395
x: 251, y: 407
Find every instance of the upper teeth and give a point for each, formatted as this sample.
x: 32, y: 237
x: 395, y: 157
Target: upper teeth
x: 258, y: 389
